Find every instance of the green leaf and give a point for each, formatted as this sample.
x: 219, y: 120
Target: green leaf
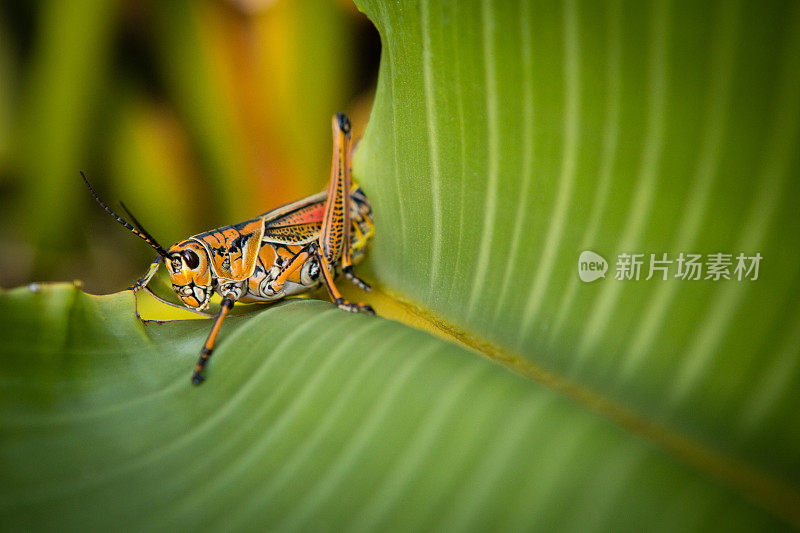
x: 310, y: 417
x: 508, y: 137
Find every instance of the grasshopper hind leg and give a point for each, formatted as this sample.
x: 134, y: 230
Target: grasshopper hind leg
x: 333, y: 245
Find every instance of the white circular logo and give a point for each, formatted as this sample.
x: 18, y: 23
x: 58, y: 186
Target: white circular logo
x: 591, y: 266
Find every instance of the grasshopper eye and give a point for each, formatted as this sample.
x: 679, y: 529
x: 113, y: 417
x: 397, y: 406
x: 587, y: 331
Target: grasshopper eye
x: 191, y: 258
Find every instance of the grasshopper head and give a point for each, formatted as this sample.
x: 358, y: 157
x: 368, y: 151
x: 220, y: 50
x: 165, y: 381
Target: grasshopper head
x: 187, y: 261
x: 189, y: 270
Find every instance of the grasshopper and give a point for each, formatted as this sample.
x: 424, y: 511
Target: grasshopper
x: 286, y: 251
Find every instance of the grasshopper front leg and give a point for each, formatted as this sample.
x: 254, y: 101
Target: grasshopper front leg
x: 205, y: 353
x: 230, y: 293
x: 142, y: 282
x: 334, y: 239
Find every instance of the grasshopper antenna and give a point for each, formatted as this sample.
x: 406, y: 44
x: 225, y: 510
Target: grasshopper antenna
x: 144, y: 232
x: 138, y: 230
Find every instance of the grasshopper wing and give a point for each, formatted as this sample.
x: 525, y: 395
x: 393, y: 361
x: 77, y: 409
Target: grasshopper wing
x: 296, y: 223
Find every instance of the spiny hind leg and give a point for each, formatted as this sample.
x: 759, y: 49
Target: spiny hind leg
x: 335, y: 239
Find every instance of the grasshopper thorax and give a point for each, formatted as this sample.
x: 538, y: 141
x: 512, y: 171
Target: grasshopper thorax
x: 190, y: 273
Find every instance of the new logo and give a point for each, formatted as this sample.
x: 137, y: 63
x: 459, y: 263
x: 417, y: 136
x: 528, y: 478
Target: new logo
x: 591, y: 266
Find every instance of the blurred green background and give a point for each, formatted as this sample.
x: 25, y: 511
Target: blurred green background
x: 196, y: 114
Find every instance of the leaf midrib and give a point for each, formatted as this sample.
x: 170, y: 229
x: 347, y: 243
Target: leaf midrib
x: 748, y: 480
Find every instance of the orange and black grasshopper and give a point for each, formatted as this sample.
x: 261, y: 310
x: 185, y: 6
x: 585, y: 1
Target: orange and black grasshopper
x: 282, y: 252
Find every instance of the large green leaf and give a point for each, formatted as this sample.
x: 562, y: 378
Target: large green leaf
x: 505, y: 139
x: 311, y: 418
x: 508, y: 137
